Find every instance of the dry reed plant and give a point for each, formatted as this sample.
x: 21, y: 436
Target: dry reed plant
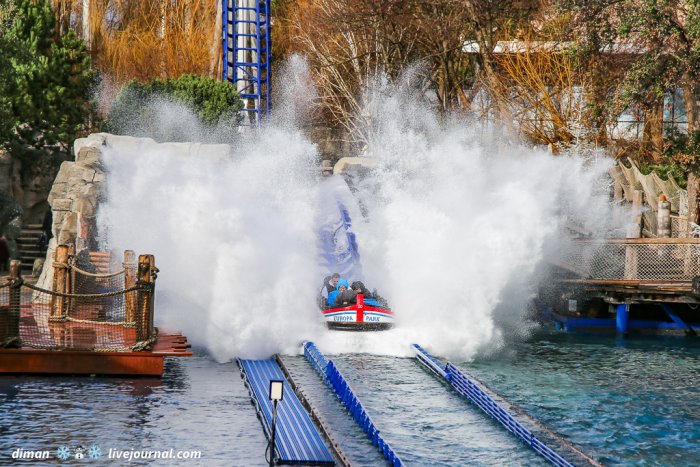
x: 538, y: 92
x: 348, y: 51
x: 144, y: 39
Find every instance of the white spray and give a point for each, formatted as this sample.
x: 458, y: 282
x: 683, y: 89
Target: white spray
x: 450, y: 225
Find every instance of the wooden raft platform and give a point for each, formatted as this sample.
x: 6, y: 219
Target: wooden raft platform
x: 28, y: 360
x: 626, y: 291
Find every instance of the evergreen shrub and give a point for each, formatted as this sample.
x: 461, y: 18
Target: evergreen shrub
x: 155, y: 109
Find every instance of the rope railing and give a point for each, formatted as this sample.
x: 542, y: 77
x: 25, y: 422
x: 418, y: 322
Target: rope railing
x: 336, y: 381
x: 90, y: 274
x: 142, y: 286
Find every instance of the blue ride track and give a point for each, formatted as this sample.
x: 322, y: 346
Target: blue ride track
x: 297, y: 441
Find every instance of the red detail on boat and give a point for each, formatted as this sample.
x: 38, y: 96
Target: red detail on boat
x: 367, y: 309
x: 360, y: 318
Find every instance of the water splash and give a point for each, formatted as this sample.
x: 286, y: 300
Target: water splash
x: 452, y: 228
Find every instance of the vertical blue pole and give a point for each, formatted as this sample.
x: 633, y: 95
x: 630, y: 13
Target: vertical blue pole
x: 623, y: 314
x: 224, y: 40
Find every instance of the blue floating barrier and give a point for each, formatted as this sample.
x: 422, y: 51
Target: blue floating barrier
x: 329, y: 372
x: 468, y: 388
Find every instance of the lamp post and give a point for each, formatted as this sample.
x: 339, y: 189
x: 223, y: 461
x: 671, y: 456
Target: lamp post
x: 276, y: 394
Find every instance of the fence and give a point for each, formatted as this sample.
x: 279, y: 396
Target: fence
x: 84, y: 310
x: 649, y: 259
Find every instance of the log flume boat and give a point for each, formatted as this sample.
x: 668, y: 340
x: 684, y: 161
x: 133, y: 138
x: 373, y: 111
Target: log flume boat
x: 358, y: 317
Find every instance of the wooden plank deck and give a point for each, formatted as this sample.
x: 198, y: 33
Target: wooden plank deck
x: 29, y: 360
x: 624, y: 291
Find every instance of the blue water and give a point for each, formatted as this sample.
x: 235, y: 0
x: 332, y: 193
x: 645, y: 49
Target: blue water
x: 199, y: 405
x: 426, y: 422
x: 632, y: 403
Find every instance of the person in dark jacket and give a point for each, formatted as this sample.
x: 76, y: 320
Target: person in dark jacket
x: 360, y: 288
x: 4, y: 254
x: 345, y: 298
x: 46, y: 231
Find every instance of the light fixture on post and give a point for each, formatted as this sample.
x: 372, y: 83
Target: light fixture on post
x: 276, y: 394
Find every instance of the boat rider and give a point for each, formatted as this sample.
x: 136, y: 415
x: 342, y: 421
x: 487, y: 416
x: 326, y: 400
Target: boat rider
x: 342, y: 285
x: 360, y: 288
x: 329, y: 285
x: 345, y: 298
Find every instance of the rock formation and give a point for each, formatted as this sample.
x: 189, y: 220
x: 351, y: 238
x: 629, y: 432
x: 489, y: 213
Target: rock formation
x: 81, y: 186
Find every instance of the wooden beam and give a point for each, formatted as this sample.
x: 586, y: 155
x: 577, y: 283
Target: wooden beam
x: 568, y: 267
x: 129, y: 282
x: 144, y: 299
x: 59, y: 280
x: 627, y: 283
x: 14, y: 312
x: 80, y: 362
x: 639, y: 241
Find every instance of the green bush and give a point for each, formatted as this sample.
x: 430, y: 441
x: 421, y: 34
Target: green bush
x: 146, y: 109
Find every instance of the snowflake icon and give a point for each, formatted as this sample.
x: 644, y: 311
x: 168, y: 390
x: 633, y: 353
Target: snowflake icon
x: 94, y: 452
x: 63, y: 453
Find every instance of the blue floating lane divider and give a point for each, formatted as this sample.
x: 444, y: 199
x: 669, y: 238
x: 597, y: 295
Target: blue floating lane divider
x: 297, y: 440
x: 474, y: 392
x: 334, y: 378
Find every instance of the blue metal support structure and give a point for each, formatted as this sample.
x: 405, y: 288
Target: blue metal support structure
x: 623, y: 318
x: 334, y: 378
x: 247, y: 45
x: 297, y: 441
x: 676, y: 319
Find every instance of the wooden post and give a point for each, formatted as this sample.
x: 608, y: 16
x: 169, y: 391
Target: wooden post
x: 618, y: 192
x: 154, y: 270
x: 689, y: 258
x: 130, y: 281
x: 15, y: 309
x: 144, y: 306
x: 663, y: 222
x: 70, y: 282
x: 692, y: 202
x: 60, y: 275
x: 634, y: 230
x: 70, y: 286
